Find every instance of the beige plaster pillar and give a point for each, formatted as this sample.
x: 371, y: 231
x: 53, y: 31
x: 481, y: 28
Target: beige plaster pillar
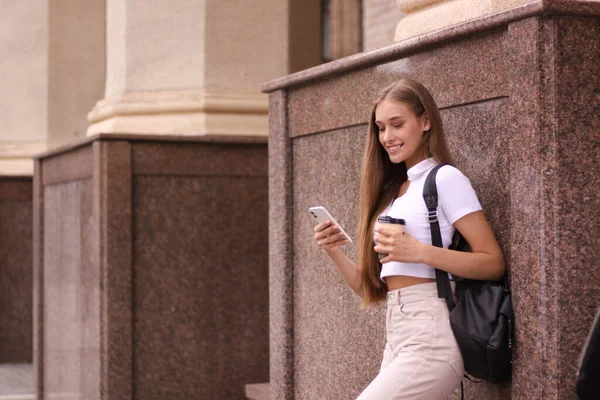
x: 191, y: 67
x: 23, y: 85
x: 380, y: 18
x: 422, y: 16
x: 52, y: 72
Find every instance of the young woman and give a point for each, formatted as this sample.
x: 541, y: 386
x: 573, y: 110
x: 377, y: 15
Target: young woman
x: 405, y: 141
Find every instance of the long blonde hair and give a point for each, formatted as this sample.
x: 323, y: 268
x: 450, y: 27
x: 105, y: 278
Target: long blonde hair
x: 381, y: 179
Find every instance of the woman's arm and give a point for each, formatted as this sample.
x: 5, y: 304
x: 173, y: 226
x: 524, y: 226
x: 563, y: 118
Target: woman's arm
x: 484, y: 262
x: 329, y: 238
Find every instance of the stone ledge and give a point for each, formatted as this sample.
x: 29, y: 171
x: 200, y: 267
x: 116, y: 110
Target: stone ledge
x: 222, y: 139
x: 418, y: 43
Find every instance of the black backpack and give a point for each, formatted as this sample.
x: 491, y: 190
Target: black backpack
x: 482, y: 318
x: 588, y: 371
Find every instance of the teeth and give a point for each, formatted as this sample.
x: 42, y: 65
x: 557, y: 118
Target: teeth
x: 393, y: 148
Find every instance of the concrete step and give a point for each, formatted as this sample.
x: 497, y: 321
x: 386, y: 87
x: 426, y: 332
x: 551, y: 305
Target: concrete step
x: 257, y: 391
x: 16, y: 382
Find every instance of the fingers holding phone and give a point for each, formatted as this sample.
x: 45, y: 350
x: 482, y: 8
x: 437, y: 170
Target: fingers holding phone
x: 328, y: 233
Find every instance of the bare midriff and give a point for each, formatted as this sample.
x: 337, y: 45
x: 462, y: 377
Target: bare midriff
x: 401, y: 281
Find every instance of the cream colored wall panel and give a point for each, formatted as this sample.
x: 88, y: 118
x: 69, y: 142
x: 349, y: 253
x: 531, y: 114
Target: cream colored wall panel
x: 23, y: 70
x: 165, y: 44
x: 51, y: 73
x: 116, y: 49
x: 247, y: 43
x: 76, y: 68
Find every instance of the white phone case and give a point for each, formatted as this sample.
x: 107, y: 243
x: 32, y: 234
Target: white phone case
x: 320, y: 214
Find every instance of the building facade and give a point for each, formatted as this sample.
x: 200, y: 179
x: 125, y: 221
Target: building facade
x: 141, y: 157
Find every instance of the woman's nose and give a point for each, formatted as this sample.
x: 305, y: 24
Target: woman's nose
x: 386, y: 135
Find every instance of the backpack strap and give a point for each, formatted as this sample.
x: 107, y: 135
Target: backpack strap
x: 431, y: 200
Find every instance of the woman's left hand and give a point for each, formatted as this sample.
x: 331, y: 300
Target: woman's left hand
x: 398, y: 246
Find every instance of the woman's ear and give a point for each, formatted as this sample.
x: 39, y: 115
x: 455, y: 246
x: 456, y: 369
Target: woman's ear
x: 426, y: 123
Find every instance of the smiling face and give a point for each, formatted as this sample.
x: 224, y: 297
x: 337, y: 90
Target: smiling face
x: 401, y: 132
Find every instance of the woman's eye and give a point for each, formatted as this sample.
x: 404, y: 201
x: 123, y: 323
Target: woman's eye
x: 397, y: 126
x: 381, y: 129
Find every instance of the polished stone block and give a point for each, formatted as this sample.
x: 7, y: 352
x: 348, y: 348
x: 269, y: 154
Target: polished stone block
x: 71, y: 293
x: 281, y: 279
x: 327, y: 316
x: 16, y: 269
x: 519, y: 98
x: 325, y: 105
x: 151, y: 268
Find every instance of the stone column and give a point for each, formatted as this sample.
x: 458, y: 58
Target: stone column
x: 23, y: 98
x: 52, y: 73
x: 190, y: 67
x: 150, y: 266
x: 422, y: 16
x: 380, y: 18
x: 518, y: 94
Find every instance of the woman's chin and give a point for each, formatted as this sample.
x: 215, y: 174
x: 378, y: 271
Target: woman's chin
x: 395, y: 159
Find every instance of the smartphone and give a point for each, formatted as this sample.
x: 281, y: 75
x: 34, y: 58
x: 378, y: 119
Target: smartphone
x: 320, y: 214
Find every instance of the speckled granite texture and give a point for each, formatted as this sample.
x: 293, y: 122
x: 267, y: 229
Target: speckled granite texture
x: 71, y: 297
x: 320, y: 107
x: 576, y: 189
x: 533, y: 279
x: 16, y: 269
x: 337, y: 347
x: 38, y: 279
x: 520, y: 98
x: 281, y: 261
x: 151, y: 268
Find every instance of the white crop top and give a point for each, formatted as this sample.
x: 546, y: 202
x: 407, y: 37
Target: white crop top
x: 456, y: 198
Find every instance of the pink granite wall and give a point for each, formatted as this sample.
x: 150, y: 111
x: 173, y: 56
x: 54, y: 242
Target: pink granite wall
x: 16, y: 269
x: 519, y: 94
x: 555, y: 197
x: 151, y: 268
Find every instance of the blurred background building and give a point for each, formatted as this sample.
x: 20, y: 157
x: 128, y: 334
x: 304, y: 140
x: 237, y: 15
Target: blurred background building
x: 134, y: 180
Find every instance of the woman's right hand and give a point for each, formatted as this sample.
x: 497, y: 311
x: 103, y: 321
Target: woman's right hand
x: 329, y: 236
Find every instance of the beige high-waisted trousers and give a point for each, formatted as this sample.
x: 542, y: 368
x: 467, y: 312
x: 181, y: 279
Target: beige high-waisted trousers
x: 421, y: 360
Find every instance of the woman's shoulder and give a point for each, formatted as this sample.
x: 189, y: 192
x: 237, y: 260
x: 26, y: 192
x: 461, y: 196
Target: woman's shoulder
x: 456, y: 194
x: 449, y: 173
x: 450, y: 179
